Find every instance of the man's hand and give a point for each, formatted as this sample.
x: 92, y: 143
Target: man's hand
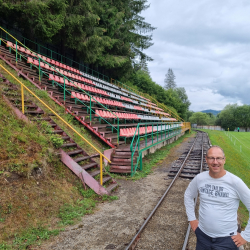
x: 194, y: 224
x: 238, y: 240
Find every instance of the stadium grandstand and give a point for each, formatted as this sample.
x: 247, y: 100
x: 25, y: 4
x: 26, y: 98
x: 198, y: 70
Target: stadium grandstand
x: 127, y: 121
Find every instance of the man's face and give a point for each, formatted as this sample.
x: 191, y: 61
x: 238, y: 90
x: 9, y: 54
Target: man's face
x: 215, y: 161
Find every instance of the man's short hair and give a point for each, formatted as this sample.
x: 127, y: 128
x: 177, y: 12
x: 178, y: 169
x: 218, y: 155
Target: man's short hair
x: 215, y: 146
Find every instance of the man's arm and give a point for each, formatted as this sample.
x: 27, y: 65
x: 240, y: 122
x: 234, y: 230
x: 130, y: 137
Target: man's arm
x: 244, y: 195
x: 189, y: 197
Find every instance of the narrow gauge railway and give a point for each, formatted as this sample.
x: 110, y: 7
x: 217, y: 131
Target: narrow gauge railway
x: 166, y: 227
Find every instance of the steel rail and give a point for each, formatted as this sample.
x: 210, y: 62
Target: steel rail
x: 195, y: 201
x: 136, y: 238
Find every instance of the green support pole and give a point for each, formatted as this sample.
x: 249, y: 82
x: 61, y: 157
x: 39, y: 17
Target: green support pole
x: 16, y: 51
x: 161, y: 131
x: 165, y: 131
x: 152, y: 133
x: 146, y: 136
x: 39, y: 70
x: 64, y: 90
x: 90, y: 109
x: 132, y: 157
x: 141, y: 161
x: 118, y: 131
x: 157, y: 132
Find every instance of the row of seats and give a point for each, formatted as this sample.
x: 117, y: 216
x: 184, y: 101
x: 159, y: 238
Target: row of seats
x: 126, y: 99
x: 109, y: 115
x: 103, y: 101
x: 63, y: 72
x: 51, y: 61
x: 79, y: 78
x: 129, y: 132
x: 77, y: 84
x: 138, y: 108
x: 99, y: 99
x: 61, y: 65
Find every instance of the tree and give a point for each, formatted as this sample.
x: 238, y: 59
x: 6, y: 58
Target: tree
x: 171, y: 98
x: 101, y: 32
x: 233, y: 116
x: 170, y: 80
x: 199, y: 118
x: 189, y: 114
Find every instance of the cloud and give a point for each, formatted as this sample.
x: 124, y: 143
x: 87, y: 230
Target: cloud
x: 206, y: 43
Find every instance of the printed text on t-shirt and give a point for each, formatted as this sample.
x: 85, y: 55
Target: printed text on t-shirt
x: 213, y: 191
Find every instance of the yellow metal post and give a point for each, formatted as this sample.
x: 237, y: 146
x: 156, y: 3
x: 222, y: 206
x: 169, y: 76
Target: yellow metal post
x: 22, y: 95
x: 100, y: 169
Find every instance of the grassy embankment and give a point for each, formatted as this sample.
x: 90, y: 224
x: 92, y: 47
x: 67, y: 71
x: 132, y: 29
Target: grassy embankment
x: 236, y: 146
x: 39, y: 195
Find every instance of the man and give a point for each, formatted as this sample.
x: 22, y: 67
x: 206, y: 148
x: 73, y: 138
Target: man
x: 220, y: 193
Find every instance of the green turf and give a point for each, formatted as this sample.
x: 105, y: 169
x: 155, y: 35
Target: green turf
x: 236, y: 147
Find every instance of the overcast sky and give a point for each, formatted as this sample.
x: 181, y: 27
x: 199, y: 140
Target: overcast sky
x: 207, y: 44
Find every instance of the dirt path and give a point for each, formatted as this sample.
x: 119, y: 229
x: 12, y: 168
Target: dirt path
x: 115, y: 223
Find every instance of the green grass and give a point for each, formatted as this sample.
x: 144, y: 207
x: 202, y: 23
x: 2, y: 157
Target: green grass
x: 237, y: 161
x: 71, y: 213
x: 31, y: 236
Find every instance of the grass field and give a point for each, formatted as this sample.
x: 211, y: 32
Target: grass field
x: 237, y: 148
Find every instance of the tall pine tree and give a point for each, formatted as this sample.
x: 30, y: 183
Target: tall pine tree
x: 170, y: 80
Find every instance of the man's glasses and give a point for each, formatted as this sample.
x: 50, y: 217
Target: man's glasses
x: 218, y: 159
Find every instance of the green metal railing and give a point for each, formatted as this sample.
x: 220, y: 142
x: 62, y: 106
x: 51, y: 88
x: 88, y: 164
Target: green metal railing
x: 163, y: 132
x: 65, y: 91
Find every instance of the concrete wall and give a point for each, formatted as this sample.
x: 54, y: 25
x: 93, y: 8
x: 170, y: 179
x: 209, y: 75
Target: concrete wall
x: 161, y: 144
x: 207, y: 127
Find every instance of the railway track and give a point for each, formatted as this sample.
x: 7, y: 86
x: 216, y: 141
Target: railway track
x: 153, y: 231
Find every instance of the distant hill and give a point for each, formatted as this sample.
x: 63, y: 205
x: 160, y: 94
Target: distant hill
x: 214, y: 112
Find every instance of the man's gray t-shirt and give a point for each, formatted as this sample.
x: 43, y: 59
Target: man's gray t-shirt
x: 219, y: 202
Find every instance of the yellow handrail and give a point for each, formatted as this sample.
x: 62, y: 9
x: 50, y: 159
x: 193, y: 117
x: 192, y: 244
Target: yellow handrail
x: 23, y: 86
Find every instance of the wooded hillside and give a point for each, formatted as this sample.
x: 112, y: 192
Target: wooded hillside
x: 109, y: 35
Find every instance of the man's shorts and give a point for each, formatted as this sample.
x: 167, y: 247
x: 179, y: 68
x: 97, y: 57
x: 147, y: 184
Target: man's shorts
x: 204, y: 242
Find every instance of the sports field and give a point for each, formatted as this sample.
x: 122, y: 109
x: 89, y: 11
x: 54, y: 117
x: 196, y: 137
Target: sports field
x: 237, y: 150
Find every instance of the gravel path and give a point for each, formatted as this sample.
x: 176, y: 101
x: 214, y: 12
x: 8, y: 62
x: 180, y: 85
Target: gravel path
x: 167, y: 228
x: 114, y: 224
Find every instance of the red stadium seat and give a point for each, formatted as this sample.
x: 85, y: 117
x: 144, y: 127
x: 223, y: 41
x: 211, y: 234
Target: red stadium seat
x: 51, y: 77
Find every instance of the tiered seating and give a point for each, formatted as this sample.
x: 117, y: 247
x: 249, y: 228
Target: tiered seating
x: 81, y: 87
x: 58, y: 67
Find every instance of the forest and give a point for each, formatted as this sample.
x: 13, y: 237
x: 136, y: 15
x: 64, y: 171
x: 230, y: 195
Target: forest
x: 231, y: 117
x: 110, y: 36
